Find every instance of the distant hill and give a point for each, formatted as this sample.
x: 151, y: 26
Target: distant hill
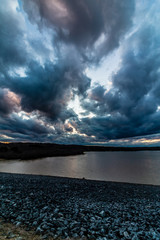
x: 28, y: 151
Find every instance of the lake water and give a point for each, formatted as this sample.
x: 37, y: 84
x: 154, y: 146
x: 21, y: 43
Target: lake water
x: 132, y: 167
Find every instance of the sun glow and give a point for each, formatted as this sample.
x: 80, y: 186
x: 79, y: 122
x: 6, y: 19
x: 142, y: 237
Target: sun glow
x: 13, y: 98
x: 3, y: 136
x: 58, y: 12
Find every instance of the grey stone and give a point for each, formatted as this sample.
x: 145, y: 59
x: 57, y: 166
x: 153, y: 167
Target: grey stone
x: 39, y: 230
x: 102, y: 213
x: 126, y: 235
x: 18, y: 224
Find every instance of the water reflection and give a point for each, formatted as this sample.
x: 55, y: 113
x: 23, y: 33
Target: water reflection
x: 135, y: 167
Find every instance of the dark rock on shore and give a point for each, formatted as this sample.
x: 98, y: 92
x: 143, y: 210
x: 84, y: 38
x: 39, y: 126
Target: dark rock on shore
x: 79, y: 208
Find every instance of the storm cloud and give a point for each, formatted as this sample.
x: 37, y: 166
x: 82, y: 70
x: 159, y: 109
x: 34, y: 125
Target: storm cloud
x: 46, y: 50
x: 131, y: 107
x: 94, y: 27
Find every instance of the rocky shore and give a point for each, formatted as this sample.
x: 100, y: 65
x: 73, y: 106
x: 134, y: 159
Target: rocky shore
x: 56, y: 207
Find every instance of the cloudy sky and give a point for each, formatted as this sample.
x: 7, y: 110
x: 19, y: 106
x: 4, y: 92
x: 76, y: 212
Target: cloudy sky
x: 80, y: 71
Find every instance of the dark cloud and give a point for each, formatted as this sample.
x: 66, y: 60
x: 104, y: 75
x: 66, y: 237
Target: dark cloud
x: 6, y: 105
x: 36, y: 129
x: 94, y: 27
x: 12, y: 44
x: 45, y: 50
x: 130, y: 107
x: 48, y: 89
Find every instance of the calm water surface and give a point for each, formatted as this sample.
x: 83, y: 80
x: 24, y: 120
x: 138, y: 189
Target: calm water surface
x: 132, y: 167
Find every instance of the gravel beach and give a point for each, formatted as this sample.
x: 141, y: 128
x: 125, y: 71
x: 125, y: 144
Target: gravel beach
x: 56, y: 207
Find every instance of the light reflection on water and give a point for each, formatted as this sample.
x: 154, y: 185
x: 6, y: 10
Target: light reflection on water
x: 133, y: 167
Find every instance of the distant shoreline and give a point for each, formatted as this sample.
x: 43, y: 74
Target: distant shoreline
x: 28, y: 151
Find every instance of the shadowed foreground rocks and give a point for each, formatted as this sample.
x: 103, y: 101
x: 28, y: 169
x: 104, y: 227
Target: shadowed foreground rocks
x: 78, y: 208
x: 12, y: 232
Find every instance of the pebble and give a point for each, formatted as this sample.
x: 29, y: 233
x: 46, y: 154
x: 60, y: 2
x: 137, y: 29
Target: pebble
x: 72, y: 208
x: 18, y: 238
x: 102, y: 214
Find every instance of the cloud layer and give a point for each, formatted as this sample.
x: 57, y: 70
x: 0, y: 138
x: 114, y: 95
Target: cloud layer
x: 46, y: 48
